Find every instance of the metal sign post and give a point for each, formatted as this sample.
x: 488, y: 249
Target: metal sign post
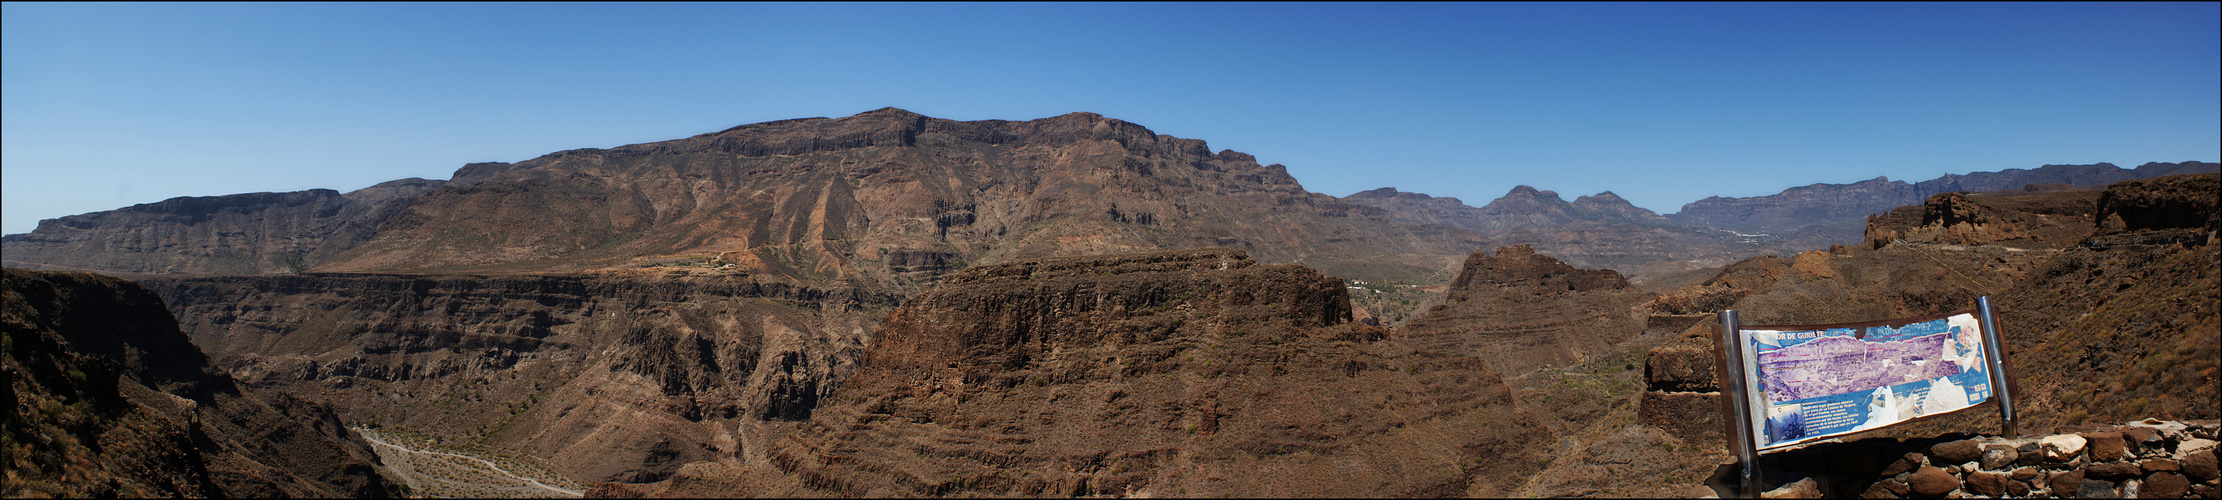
x: 1995, y: 356
x: 1747, y: 443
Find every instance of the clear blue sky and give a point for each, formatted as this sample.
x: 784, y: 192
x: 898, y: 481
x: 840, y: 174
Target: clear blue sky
x: 108, y: 105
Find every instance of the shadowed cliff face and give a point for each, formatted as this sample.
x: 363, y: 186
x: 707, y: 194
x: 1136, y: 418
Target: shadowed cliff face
x: 602, y: 376
x: 255, y: 233
x: 104, y: 397
x: 887, y: 196
x: 1191, y: 373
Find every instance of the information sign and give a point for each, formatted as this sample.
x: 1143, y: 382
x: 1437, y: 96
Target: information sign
x: 1813, y: 382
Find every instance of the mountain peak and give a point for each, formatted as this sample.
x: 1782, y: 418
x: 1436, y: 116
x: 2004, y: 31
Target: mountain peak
x: 890, y: 111
x: 1525, y: 191
x: 1606, y: 198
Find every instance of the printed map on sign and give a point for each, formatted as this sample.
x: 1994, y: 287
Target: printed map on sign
x: 1830, y: 381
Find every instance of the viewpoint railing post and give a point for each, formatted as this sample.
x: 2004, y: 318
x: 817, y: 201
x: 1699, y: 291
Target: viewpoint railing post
x: 1747, y: 442
x: 1995, y: 357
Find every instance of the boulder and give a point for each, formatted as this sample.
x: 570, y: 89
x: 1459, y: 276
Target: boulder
x: 2096, y: 488
x: 2062, y: 448
x: 2165, y: 485
x: 2160, y: 464
x: 2113, y: 470
x: 1988, y: 483
x: 2031, y: 454
x: 1955, y: 452
x: 2066, y: 483
x: 2107, y: 446
x: 1998, y: 456
x: 1907, y: 463
x: 1932, y: 482
x: 2201, y: 466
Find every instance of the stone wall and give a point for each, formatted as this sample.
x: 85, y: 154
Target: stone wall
x: 2144, y: 459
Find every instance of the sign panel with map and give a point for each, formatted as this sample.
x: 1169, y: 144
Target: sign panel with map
x: 1815, y: 382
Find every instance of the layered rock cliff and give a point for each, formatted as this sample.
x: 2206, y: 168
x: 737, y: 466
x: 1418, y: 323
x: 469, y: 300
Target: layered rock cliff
x: 254, y: 233
x: 105, y: 397
x: 612, y: 376
x: 1188, y: 373
x: 888, y: 196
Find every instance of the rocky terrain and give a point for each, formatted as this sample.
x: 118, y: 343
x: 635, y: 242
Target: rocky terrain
x: 608, y: 376
x: 104, y: 397
x: 1520, y: 311
x: 892, y: 304
x: 1186, y: 373
x: 254, y: 233
x: 2118, y: 326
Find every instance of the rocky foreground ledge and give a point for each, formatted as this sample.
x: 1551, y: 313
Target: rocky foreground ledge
x: 2145, y: 459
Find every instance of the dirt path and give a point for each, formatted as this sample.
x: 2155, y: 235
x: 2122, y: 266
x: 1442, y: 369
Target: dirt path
x: 405, y: 473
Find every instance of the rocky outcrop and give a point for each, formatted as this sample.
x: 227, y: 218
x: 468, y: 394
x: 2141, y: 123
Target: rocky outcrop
x: 2176, y: 209
x: 105, y: 397
x: 1187, y: 373
x: 613, y: 376
x: 1843, y: 205
x: 2017, y: 219
x: 1521, y: 310
x: 254, y: 233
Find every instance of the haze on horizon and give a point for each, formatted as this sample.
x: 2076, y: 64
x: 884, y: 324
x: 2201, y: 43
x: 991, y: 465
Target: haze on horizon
x: 108, y: 105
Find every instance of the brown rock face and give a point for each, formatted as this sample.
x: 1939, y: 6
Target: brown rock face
x: 1681, y: 369
x: 2169, y: 209
x: 887, y: 194
x: 601, y: 376
x: 119, y: 403
x: 1177, y: 373
x: 2045, y: 219
x: 255, y: 233
x: 1521, y: 310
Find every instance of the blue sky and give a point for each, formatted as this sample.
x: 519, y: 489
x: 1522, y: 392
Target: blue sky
x: 109, y: 105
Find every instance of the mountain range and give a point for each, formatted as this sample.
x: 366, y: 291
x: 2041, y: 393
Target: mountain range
x: 893, y: 304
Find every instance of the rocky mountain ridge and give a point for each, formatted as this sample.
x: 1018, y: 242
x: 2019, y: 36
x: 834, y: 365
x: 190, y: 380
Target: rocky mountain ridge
x: 253, y: 233
x: 1838, y: 208
x: 105, y: 397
